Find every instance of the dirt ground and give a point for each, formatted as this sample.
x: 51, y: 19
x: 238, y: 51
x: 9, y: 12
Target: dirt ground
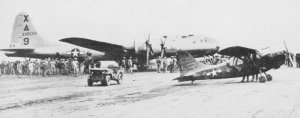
x: 151, y: 95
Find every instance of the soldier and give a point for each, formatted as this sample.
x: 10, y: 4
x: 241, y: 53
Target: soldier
x: 30, y: 68
x: 165, y: 64
x: 246, y: 68
x: 123, y: 64
x: 52, y: 66
x: 129, y: 63
x: 254, y: 68
x: 158, y: 62
x: 11, y: 68
x: 43, y: 67
x: 69, y: 66
x: 63, y: 66
x: 172, y: 64
x: 17, y: 67
x: 75, y: 65
x: 1, y: 67
x: 5, y: 68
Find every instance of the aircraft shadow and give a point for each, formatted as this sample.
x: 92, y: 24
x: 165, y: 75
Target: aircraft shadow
x: 215, y: 83
x: 100, y: 85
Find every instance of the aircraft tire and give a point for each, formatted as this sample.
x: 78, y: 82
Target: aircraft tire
x: 262, y: 79
x: 269, y: 77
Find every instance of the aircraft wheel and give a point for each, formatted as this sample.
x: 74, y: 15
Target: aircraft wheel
x: 262, y: 79
x: 269, y: 77
x: 90, y: 82
x: 119, y: 78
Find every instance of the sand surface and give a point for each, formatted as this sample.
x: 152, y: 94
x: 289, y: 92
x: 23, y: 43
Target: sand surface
x: 151, y: 95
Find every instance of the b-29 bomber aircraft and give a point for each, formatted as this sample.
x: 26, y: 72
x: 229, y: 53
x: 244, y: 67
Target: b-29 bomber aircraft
x: 143, y: 51
x: 191, y: 70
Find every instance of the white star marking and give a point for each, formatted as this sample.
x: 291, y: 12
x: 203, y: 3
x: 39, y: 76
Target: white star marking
x: 214, y: 72
x: 75, y: 53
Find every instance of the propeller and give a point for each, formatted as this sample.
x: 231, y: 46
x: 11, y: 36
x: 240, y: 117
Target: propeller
x: 149, y: 50
x: 288, y: 54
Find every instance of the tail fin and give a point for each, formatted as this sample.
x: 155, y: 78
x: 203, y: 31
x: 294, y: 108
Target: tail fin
x: 24, y: 35
x: 187, y: 63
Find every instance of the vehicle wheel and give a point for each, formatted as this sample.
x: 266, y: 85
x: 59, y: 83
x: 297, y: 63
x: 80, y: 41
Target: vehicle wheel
x: 119, y: 78
x: 107, y: 80
x: 262, y: 79
x: 269, y: 77
x: 90, y: 82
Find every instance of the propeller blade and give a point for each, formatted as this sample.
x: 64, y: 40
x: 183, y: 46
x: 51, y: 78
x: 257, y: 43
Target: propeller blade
x: 147, y: 56
x: 288, y: 54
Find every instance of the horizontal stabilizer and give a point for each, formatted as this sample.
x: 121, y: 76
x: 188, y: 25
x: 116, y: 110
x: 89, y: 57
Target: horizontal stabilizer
x: 17, y: 50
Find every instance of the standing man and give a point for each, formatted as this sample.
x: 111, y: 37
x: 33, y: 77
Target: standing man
x: 123, y: 64
x: 1, y: 67
x: 75, y: 65
x: 129, y: 63
x: 17, y: 67
x: 52, y: 66
x: 173, y: 64
x: 165, y: 64
x: 30, y: 68
x: 43, y: 67
x: 158, y: 62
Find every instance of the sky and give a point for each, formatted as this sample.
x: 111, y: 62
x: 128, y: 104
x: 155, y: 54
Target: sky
x: 251, y: 23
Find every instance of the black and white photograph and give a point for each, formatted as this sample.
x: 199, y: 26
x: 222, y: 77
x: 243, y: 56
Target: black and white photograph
x: 150, y: 59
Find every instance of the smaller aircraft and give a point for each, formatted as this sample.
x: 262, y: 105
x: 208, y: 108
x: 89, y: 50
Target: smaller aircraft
x: 191, y: 70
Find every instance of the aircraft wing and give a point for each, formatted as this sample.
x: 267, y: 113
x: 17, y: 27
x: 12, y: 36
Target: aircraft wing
x: 237, y: 51
x: 95, y: 45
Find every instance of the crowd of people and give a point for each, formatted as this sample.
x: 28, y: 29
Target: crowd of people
x: 44, y: 67
x: 213, y: 59
x: 126, y: 65
x: 164, y: 64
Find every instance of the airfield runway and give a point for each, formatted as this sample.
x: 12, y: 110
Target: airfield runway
x: 151, y: 95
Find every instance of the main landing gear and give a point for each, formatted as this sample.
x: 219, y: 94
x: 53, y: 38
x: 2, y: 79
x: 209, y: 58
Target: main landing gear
x: 265, y: 77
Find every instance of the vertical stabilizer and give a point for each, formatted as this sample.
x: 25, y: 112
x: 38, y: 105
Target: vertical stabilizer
x: 187, y: 63
x: 24, y: 35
